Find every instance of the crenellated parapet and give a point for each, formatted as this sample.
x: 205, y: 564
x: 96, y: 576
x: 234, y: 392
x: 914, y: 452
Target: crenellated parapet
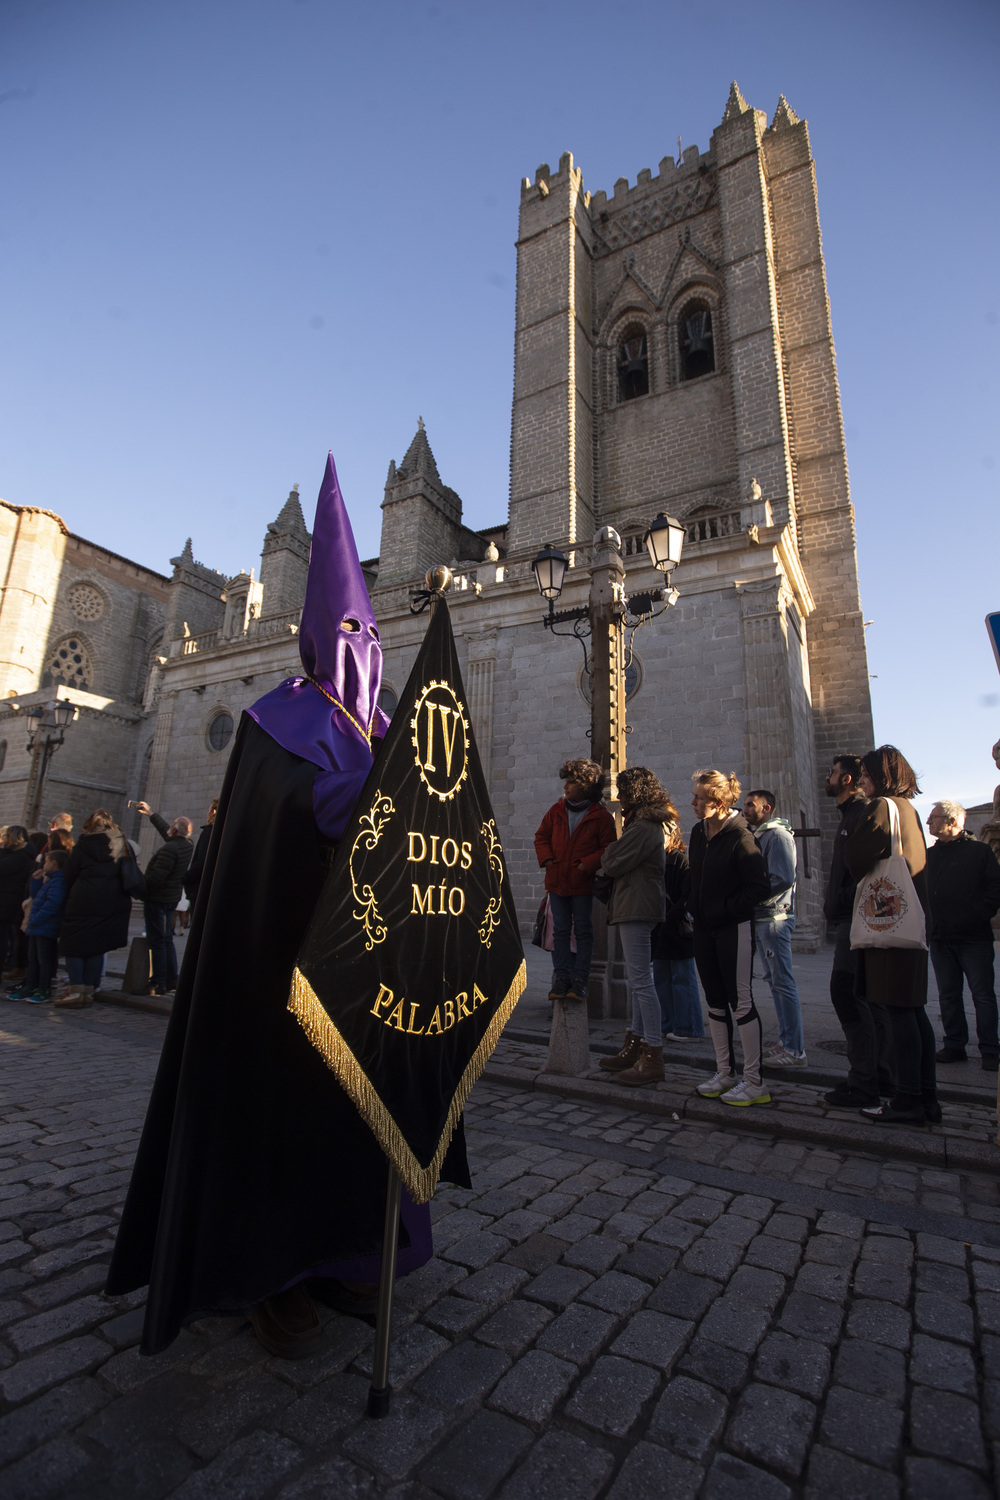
x: 196, y: 597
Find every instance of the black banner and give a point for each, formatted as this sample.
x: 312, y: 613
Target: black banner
x: 413, y: 962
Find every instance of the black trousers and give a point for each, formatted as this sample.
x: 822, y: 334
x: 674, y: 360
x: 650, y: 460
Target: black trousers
x: 42, y: 960
x: 914, y: 1045
x: 724, y: 958
x: 866, y: 1027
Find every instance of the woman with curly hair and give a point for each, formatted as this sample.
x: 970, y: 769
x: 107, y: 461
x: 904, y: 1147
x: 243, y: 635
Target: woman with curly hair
x: 896, y: 978
x: 569, y: 843
x: 728, y: 880
x: 637, y: 903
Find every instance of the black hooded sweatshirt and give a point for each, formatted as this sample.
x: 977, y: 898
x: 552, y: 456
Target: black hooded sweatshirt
x: 728, y: 875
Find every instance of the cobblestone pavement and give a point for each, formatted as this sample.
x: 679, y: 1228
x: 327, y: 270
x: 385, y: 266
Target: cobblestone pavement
x: 966, y: 1136
x: 626, y: 1306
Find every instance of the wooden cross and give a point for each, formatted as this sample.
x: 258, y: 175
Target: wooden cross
x: 805, y: 834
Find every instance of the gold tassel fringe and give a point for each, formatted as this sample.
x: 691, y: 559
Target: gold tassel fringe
x: 420, y: 1181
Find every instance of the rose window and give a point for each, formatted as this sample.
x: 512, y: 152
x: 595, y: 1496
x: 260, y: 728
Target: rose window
x: 86, y: 602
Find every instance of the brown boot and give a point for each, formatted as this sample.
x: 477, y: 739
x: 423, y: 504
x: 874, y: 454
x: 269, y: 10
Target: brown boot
x: 626, y: 1057
x: 77, y: 997
x: 287, y: 1324
x: 648, y: 1068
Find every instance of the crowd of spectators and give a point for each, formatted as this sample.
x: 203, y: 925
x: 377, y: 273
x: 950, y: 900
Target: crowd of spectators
x: 73, y: 900
x: 730, y: 898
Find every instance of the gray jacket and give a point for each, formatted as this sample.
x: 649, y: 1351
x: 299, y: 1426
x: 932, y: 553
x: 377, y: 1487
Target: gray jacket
x: 777, y: 844
x: 636, y: 862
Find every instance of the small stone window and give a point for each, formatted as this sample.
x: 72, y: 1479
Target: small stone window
x: 3, y: 753
x: 70, y: 663
x: 220, y: 731
x: 86, y: 602
x: 387, y: 702
x: 633, y: 365
x: 697, y: 341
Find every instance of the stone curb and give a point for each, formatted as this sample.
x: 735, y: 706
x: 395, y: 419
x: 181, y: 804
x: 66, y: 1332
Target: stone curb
x: 149, y: 1003
x: 820, y: 1077
x: 915, y: 1145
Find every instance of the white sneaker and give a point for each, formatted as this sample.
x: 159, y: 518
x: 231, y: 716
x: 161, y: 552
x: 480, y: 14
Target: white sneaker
x: 717, y: 1085
x: 775, y: 1049
x: 787, y: 1059
x: 746, y: 1093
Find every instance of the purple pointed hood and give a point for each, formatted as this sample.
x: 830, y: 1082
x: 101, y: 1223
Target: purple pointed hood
x: 338, y: 637
x: 342, y: 658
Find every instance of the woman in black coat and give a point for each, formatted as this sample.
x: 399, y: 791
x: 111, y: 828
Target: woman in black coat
x: 97, y: 908
x: 17, y: 859
x: 896, y: 978
x: 728, y: 881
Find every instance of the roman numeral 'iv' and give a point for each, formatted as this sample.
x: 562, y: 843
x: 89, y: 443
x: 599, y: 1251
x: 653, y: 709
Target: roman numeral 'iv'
x: 449, y: 742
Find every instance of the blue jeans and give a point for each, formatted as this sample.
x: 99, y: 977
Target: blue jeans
x: 774, y: 944
x: 85, y: 970
x: 676, y: 983
x: 159, y: 916
x: 639, y: 970
x: 954, y: 960
x: 572, y: 913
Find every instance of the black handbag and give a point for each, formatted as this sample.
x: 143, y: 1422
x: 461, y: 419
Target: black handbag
x: 538, y: 936
x: 601, y: 886
x: 132, y: 879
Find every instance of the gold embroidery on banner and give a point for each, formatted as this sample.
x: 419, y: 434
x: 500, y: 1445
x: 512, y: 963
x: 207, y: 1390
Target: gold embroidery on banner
x: 440, y: 750
x: 420, y: 1181
x: 369, y: 834
x: 491, y: 917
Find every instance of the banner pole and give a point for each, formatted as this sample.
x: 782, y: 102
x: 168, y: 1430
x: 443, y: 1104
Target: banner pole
x: 379, y: 1392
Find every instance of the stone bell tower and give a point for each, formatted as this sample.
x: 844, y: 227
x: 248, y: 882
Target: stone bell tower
x: 674, y: 352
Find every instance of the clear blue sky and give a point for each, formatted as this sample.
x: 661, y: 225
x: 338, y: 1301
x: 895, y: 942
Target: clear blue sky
x: 237, y: 234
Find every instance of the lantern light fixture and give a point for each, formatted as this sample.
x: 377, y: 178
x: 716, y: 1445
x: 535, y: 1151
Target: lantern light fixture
x: 664, y: 542
x: 549, y: 568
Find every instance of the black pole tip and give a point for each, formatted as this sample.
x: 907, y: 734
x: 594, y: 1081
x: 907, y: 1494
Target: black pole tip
x: 378, y: 1401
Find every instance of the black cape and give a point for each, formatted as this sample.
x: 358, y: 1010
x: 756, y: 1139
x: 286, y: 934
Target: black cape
x: 254, y: 1165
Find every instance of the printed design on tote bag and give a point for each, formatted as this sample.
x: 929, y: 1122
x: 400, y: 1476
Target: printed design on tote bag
x: 883, y: 904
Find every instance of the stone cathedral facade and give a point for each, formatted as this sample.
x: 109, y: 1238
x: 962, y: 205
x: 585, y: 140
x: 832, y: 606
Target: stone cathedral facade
x: 673, y: 352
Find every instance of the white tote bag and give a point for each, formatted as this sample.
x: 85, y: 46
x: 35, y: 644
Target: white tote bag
x: 887, y: 910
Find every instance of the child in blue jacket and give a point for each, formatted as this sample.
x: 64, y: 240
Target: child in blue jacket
x: 44, y: 920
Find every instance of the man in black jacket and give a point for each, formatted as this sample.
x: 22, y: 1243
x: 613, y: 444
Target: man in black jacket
x: 192, y: 880
x: 164, y: 888
x: 869, y: 1046
x: 963, y: 889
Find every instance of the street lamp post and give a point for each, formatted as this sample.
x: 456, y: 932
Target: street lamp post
x: 46, y: 726
x: 608, y: 614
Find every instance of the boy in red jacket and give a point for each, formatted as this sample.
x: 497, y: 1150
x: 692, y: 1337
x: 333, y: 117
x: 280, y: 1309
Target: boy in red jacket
x: 569, y: 843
